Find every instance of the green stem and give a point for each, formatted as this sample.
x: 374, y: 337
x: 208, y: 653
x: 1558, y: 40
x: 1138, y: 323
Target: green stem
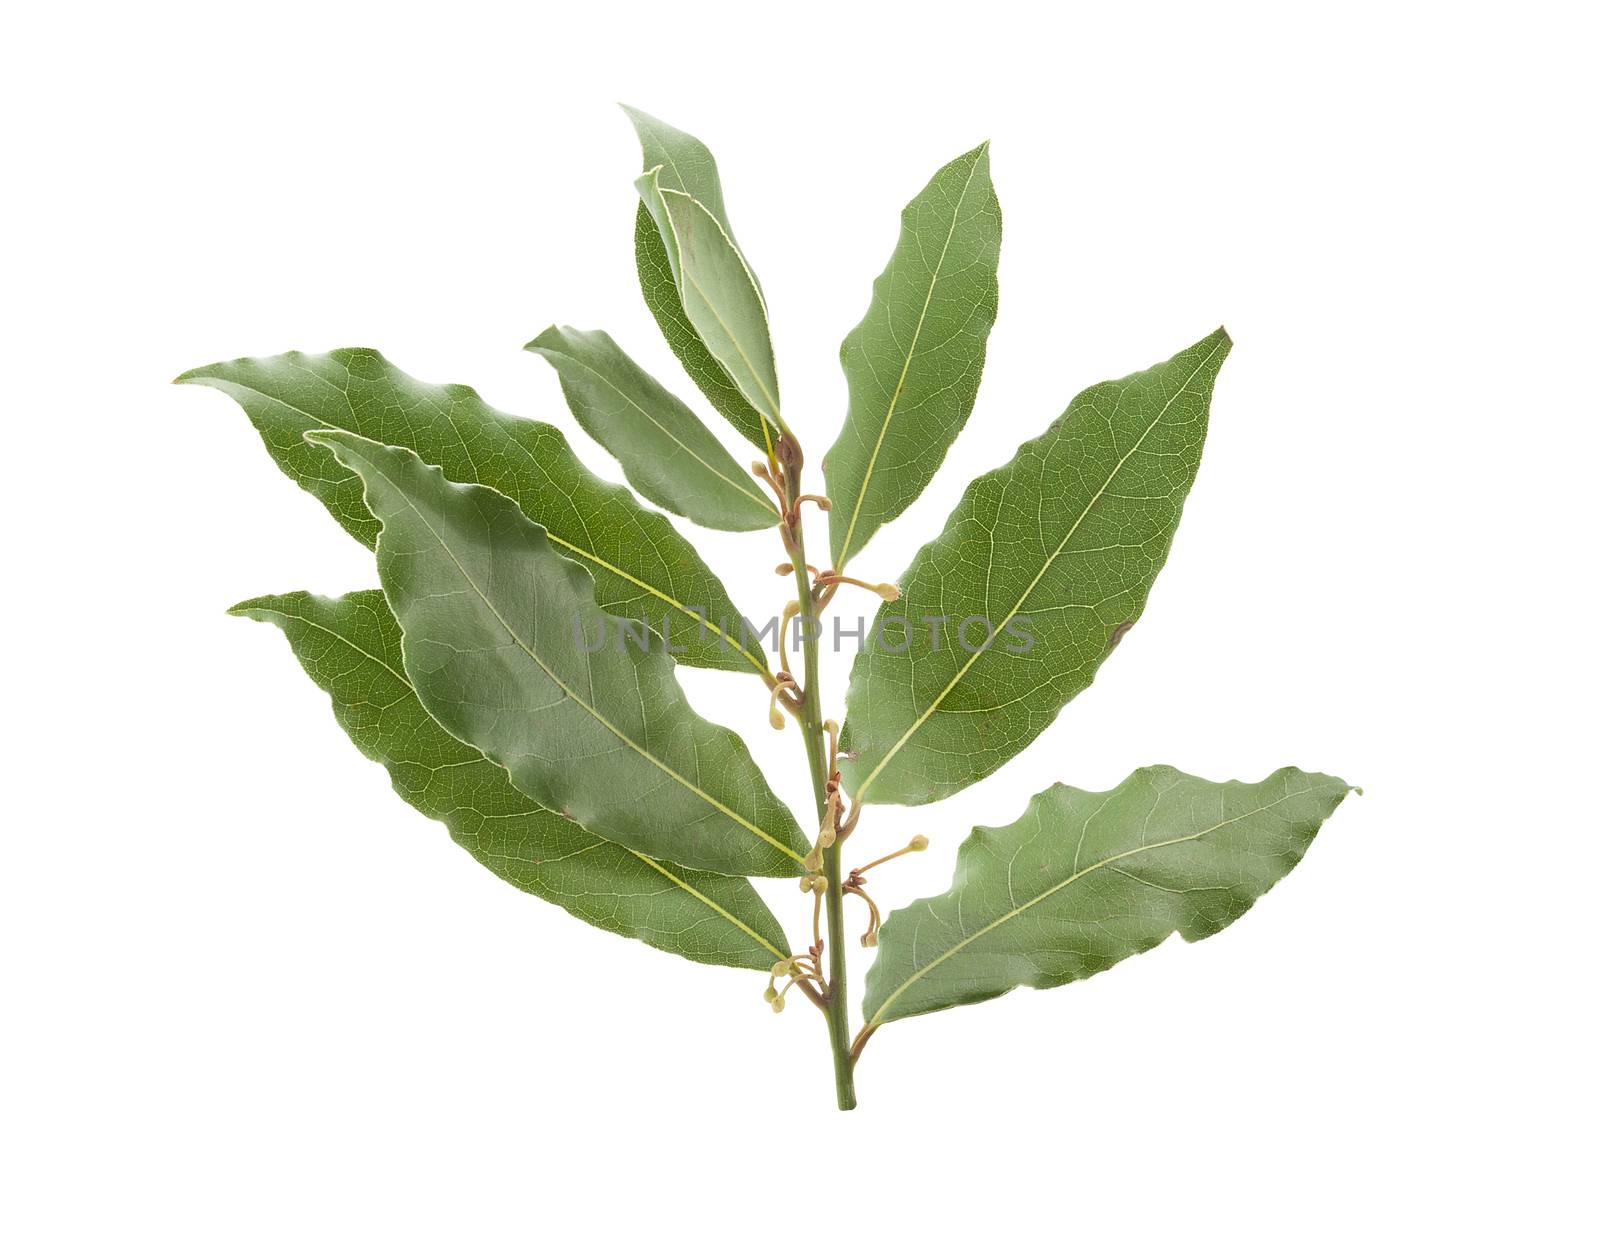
x: 844, y: 1081
x: 837, y: 1010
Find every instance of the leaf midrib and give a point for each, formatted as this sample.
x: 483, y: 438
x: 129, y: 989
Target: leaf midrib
x: 709, y: 903
x: 1032, y: 585
x: 905, y: 370
x: 533, y: 655
x: 655, y: 865
x: 1018, y: 910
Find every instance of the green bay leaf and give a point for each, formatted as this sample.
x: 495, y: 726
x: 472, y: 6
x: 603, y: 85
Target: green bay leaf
x: 1040, y: 571
x: 669, y: 456
x: 914, y: 362
x: 719, y: 293
x: 350, y: 647
x: 661, y: 296
x: 1085, y: 879
x: 643, y: 568
x: 688, y: 166
x: 509, y: 652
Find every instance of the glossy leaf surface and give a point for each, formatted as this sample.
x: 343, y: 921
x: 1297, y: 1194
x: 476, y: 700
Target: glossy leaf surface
x: 350, y: 647
x: 1085, y: 879
x: 1040, y: 571
x: 509, y: 651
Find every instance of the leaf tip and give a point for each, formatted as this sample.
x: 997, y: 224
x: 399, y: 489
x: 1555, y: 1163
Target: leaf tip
x: 342, y: 445
x: 638, y: 120
x: 328, y: 438
x: 260, y: 609
x: 977, y: 154
x: 541, y: 342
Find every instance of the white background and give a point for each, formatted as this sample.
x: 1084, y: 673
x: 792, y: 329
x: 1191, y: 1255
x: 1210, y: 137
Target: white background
x: 254, y: 1005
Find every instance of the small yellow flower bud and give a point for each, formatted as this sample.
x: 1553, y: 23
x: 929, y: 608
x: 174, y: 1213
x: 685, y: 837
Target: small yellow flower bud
x: 781, y: 970
x: 870, y: 939
x: 784, y: 569
x: 919, y: 844
x: 889, y: 592
x: 819, y: 884
x: 777, y: 1004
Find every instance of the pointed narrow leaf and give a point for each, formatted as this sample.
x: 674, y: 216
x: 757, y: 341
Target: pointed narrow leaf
x: 1083, y: 880
x: 1040, y: 570
x: 508, y: 651
x: 669, y: 456
x: 913, y: 363
x: 350, y: 647
x: 687, y: 165
x: 643, y: 568
x: 719, y: 294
